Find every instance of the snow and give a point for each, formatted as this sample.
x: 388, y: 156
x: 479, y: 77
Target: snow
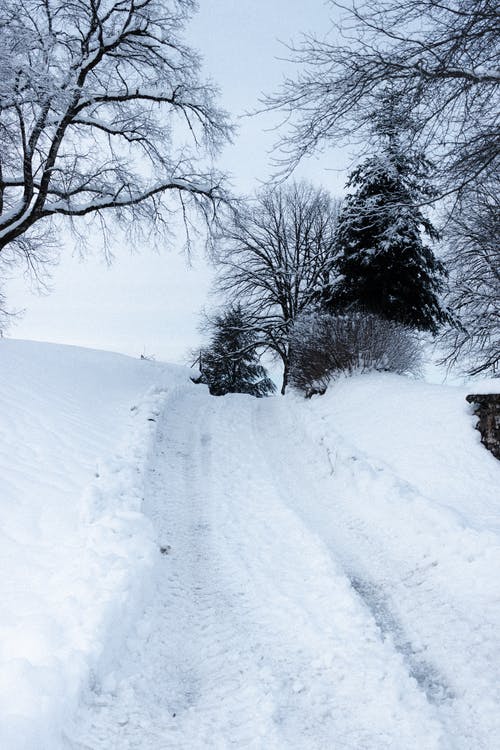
x: 412, y: 514
x: 254, y: 637
x: 242, y: 573
x: 74, y: 546
x: 422, y: 433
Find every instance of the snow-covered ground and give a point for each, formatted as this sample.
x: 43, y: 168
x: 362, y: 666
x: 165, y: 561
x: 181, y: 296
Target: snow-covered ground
x: 275, y: 574
x: 74, y: 546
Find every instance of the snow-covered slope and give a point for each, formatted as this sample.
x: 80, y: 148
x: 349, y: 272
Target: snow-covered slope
x: 315, y: 592
x: 327, y: 573
x: 408, y: 501
x: 73, y: 545
x: 420, y: 432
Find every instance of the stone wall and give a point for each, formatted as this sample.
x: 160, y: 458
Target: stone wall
x: 487, y: 408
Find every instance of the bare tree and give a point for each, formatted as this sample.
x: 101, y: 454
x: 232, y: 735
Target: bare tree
x: 474, y: 296
x: 440, y: 58
x: 278, y: 256
x: 92, y: 94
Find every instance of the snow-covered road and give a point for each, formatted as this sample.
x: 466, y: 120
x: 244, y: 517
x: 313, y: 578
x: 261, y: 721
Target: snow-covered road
x: 306, y: 597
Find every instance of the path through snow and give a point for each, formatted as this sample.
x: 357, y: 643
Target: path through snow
x: 286, y: 616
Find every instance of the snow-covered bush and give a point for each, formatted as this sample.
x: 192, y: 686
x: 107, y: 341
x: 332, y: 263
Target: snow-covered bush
x: 324, y: 346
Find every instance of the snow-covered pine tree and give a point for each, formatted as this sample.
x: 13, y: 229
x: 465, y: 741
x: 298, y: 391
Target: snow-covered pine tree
x: 230, y: 363
x: 385, y: 268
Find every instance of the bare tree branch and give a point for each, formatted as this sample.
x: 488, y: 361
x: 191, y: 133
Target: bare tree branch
x: 101, y: 107
x: 439, y: 58
x: 278, y: 255
x: 474, y: 260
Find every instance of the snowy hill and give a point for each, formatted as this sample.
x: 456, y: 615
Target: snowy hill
x: 183, y: 571
x: 72, y: 540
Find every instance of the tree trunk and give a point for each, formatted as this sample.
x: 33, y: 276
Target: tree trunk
x: 286, y: 372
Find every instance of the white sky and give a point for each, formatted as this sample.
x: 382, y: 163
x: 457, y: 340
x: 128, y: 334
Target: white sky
x: 149, y: 302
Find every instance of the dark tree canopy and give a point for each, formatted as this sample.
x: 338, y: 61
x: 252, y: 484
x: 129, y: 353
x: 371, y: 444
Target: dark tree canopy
x: 102, y: 111
x: 384, y: 266
x: 230, y: 364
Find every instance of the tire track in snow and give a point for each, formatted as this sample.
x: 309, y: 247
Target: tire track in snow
x: 183, y: 664
x: 426, y: 674
x: 255, y: 638
x: 424, y: 578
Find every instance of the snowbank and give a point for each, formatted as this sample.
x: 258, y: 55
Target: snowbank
x: 404, y: 494
x: 423, y: 433
x: 75, y: 548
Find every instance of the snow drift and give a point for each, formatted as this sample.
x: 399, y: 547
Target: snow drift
x: 75, y: 429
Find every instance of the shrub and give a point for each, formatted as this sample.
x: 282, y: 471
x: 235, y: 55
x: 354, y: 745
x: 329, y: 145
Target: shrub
x: 325, y: 346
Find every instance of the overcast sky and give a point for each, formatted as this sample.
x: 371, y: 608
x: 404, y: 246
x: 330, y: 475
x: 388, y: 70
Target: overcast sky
x: 149, y: 302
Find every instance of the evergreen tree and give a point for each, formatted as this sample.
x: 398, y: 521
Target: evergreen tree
x: 385, y: 268
x: 230, y: 363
